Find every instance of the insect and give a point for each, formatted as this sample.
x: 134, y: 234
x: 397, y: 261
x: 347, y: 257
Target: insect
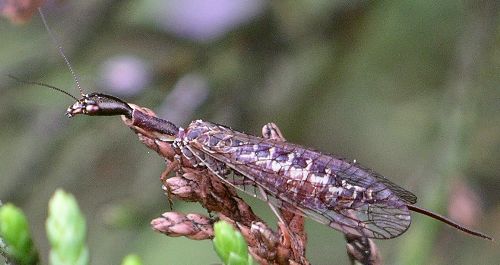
x: 336, y: 192
x: 341, y: 194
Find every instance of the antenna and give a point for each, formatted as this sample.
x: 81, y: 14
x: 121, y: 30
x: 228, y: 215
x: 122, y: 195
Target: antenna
x: 42, y: 84
x: 61, y: 51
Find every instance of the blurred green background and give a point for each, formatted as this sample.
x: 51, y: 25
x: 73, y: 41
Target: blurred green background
x: 408, y: 88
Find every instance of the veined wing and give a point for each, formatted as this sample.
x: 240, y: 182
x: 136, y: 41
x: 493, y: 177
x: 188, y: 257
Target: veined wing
x: 380, y: 212
x: 238, y: 148
x: 375, y: 220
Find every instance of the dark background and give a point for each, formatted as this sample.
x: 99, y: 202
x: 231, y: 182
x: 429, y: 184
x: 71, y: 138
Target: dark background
x: 408, y: 88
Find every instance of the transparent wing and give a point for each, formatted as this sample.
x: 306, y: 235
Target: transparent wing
x: 358, y: 175
x: 378, y: 220
x: 350, y: 171
x: 381, y: 220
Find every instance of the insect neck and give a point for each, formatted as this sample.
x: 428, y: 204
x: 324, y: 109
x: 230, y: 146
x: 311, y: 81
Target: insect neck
x: 146, y: 122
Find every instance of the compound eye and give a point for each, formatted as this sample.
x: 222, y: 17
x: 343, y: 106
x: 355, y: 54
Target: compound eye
x: 91, y: 108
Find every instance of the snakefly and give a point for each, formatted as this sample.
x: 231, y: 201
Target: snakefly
x: 341, y: 194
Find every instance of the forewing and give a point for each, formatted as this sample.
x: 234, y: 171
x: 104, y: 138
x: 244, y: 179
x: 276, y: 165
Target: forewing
x: 359, y: 175
x: 381, y: 220
x: 375, y: 220
x: 385, y: 216
x: 400, y: 192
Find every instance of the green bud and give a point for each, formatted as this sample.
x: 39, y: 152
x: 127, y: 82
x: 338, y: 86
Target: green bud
x: 132, y: 259
x: 15, y: 233
x: 66, y: 231
x: 230, y: 245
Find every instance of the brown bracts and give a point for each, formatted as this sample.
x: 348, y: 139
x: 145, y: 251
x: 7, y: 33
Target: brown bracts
x: 341, y: 194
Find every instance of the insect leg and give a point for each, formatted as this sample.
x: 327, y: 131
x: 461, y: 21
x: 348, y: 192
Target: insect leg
x: 291, y: 224
x: 275, y: 211
x: 271, y: 131
x: 172, y: 166
x: 362, y: 249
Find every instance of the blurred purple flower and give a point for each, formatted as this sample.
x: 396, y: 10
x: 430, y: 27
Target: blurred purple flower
x: 188, y: 94
x: 464, y: 204
x: 125, y: 75
x: 206, y: 20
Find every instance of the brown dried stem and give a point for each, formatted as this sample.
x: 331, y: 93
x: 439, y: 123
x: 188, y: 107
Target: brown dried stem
x: 287, y: 245
x: 199, y: 185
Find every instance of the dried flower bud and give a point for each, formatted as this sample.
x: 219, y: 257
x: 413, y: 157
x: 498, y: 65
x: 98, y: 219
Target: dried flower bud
x: 193, y: 226
x: 179, y: 187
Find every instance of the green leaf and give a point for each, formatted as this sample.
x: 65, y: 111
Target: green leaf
x: 15, y: 233
x: 132, y: 259
x: 230, y: 245
x: 66, y: 231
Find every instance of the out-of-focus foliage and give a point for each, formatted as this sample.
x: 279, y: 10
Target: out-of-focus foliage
x: 132, y: 259
x: 66, y: 231
x: 15, y: 237
x: 409, y: 88
x: 230, y: 245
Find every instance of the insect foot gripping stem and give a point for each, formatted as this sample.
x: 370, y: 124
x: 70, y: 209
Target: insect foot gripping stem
x: 97, y: 104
